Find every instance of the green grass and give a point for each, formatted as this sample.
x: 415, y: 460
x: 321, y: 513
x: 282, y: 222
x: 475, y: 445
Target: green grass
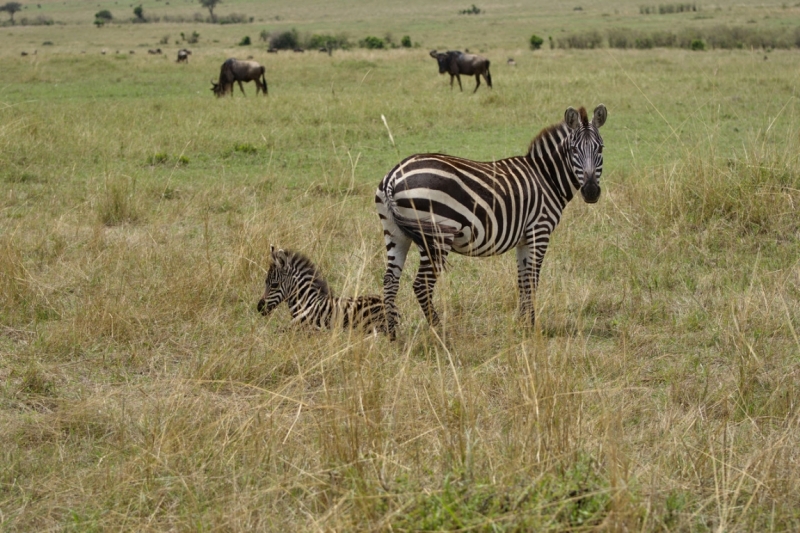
x: 142, y: 391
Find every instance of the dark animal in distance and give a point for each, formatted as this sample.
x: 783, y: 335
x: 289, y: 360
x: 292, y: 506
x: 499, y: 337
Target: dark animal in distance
x: 154, y: 52
x: 455, y: 63
x: 272, y: 50
x: 183, y: 55
x: 299, y: 50
x: 511, y: 62
x: 294, y: 279
x: 234, y: 70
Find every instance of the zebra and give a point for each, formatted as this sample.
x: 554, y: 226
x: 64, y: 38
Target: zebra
x: 293, y: 278
x: 443, y: 203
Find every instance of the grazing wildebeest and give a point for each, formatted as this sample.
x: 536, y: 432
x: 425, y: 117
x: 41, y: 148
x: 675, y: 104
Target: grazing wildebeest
x: 154, y: 52
x: 234, y: 70
x: 183, y: 55
x: 455, y: 63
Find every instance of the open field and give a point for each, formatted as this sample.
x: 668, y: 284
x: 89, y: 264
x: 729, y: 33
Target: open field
x: 141, y: 391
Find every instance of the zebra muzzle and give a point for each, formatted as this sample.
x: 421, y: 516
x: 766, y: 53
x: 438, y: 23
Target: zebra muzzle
x: 262, y: 306
x: 590, y: 191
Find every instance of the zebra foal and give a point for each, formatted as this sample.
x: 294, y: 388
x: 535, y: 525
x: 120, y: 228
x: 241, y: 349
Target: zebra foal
x: 293, y: 278
x: 443, y: 203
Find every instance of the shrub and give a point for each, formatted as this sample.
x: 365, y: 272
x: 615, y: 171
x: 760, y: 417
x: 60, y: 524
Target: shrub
x: 245, y: 41
x: 328, y: 41
x: 286, y: 40
x: 372, y: 42
x: 698, y: 45
x: 263, y: 36
x: 159, y: 158
x: 234, y: 18
x: 588, y: 40
x: 104, y: 15
x: 405, y: 42
x: 474, y: 10
x: 535, y: 42
x: 245, y: 148
x: 192, y: 39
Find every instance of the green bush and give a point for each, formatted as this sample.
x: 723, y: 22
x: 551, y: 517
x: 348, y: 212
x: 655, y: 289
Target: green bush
x: 104, y: 15
x: 286, y: 40
x: 698, y: 45
x: 245, y: 41
x: 536, y: 42
x: 474, y: 10
x: 588, y: 40
x: 405, y: 42
x: 372, y: 43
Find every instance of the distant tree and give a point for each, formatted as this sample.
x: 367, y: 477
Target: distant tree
x: 139, y: 12
x: 405, y: 42
x: 104, y: 15
x: 11, y: 8
x: 372, y: 42
x: 210, y: 5
x: 536, y: 42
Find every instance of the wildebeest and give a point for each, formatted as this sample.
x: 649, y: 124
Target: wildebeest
x: 154, y: 52
x: 183, y: 55
x: 455, y: 63
x: 234, y: 70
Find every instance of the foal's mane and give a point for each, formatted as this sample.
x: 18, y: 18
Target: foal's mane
x: 301, y: 262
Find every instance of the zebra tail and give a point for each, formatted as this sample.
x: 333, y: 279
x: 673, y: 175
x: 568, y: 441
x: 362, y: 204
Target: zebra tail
x: 436, y: 239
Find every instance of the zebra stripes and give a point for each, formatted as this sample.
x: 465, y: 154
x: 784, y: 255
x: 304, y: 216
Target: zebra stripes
x: 443, y: 203
x: 293, y: 278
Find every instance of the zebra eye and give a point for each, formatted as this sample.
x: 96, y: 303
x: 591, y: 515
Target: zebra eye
x: 600, y: 150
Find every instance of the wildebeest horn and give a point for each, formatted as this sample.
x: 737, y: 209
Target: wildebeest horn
x: 433, y: 54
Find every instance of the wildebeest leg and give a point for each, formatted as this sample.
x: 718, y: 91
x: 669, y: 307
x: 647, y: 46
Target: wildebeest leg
x: 477, y: 79
x: 458, y: 77
x: 240, y: 87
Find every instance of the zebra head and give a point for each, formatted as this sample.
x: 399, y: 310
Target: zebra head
x: 277, y: 284
x: 585, y: 147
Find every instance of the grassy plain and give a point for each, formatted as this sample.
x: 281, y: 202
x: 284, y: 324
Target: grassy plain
x: 141, y: 390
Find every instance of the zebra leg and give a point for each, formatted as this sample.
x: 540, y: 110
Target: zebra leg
x: 525, y: 281
x: 423, y: 287
x: 530, y: 255
x: 397, y: 245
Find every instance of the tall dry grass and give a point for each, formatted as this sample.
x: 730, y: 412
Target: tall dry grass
x: 142, y: 391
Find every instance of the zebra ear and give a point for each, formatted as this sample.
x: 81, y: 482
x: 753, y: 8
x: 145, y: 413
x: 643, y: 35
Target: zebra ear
x: 572, y: 118
x: 600, y: 115
x: 276, y: 255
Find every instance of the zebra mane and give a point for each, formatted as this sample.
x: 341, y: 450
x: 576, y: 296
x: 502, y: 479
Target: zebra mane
x: 557, y: 130
x: 302, y: 263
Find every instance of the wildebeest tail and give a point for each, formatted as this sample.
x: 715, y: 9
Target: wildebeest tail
x: 264, y: 80
x: 488, y: 74
x: 435, y: 239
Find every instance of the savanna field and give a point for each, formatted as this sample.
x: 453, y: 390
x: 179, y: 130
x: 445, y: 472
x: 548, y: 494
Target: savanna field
x: 141, y: 391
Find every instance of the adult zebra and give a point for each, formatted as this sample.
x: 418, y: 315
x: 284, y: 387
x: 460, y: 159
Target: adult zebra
x: 293, y: 278
x: 443, y: 203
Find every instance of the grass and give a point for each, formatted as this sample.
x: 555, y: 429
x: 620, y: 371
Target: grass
x: 142, y: 391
